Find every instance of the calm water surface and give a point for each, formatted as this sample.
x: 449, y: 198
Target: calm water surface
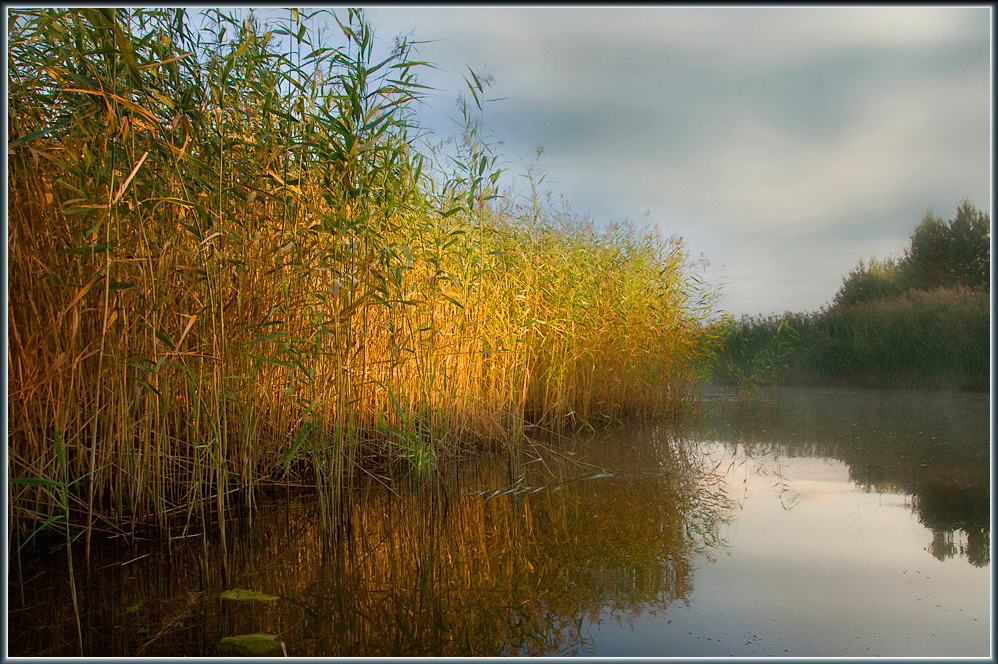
x: 800, y: 523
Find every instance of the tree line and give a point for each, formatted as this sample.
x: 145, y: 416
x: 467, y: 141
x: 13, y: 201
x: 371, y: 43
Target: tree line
x: 921, y: 320
x: 940, y: 254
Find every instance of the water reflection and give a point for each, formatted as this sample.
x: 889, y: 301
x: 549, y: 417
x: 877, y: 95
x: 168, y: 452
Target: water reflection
x: 608, y: 545
x: 931, y: 446
x: 496, y: 560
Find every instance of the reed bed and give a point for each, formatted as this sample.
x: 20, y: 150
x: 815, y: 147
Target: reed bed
x: 921, y: 339
x: 233, y: 263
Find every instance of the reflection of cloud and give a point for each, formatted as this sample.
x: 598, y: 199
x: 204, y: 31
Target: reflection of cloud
x: 817, y: 438
x: 767, y: 131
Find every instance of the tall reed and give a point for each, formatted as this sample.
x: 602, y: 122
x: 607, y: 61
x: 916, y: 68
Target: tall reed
x: 231, y: 264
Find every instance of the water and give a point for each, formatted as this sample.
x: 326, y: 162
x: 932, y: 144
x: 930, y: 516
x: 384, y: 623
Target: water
x: 861, y: 528
x: 801, y: 523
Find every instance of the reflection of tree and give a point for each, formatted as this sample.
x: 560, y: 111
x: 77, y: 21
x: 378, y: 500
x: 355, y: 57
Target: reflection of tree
x: 958, y: 516
x: 613, y: 527
x: 931, y: 446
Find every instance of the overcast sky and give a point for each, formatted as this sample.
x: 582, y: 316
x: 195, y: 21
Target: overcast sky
x: 783, y: 144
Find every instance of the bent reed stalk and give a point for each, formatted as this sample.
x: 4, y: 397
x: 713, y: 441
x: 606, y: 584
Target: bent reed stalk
x: 232, y: 265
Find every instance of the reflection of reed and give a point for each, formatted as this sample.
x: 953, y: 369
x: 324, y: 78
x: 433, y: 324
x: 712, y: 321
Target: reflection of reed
x: 932, y: 446
x: 440, y: 572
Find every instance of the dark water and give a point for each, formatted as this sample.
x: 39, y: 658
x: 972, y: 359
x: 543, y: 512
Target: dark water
x: 802, y: 523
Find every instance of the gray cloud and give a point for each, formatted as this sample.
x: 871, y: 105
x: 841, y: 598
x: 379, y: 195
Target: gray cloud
x: 785, y: 144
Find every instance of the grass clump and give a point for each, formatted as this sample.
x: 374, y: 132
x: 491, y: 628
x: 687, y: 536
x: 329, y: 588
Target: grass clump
x: 232, y: 264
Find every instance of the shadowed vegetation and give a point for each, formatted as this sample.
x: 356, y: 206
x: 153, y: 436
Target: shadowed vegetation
x: 919, y: 321
x: 233, y: 263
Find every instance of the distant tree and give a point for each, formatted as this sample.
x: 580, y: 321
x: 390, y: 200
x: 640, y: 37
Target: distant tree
x: 940, y: 254
x: 950, y: 255
x: 871, y: 281
x: 970, y: 243
x: 927, y: 258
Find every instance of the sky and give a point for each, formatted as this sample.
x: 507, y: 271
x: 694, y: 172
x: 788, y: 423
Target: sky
x: 782, y: 144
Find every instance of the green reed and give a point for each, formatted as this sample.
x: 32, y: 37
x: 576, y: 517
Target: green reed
x: 233, y: 264
x: 921, y: 339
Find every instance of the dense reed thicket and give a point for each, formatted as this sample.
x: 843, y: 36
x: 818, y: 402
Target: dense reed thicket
x: 921, y: 339
x: 231, y: 263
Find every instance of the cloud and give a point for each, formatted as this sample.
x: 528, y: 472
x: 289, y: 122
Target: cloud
x: 897, y: 141
x: 786, y: 143
x: 549, y: 38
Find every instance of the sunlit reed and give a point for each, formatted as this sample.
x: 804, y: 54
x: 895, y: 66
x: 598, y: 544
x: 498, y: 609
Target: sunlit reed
x: 233, y: 264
